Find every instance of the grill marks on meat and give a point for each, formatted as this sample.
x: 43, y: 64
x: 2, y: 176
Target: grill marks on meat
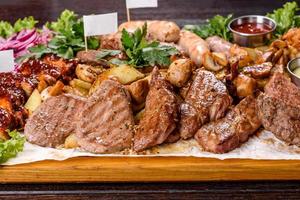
x: 207, y: 99
x: 16, y: 86
x: 229, y: 132
x: 279, y: 109
x: 106, y: 121
x: 161, y: 114
x: 53, y: 121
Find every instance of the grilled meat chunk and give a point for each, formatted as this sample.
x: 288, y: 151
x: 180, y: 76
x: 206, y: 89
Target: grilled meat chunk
x: 90, y: 57
x: 53, y: 121
x: 106, y: 120
x: 161, y: 114
x: 207, y: 100
x: 259, y: 71
x: 15, y: 87
x: 279, y: 109
x: 229, y: 132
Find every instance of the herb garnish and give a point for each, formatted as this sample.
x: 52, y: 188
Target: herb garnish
x: 218, y: 25
x: 142, y: 53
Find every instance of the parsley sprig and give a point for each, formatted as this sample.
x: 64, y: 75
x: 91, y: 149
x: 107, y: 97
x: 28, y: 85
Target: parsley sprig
x: 143, y: 53
x: 214, y: 26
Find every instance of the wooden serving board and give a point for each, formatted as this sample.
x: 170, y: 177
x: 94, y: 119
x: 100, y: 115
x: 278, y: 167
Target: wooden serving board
x: 107, y: 169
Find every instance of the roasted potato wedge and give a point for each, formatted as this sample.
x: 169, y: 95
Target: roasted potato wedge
x: 209, y: 63
x: 34, y: 101
x: 125, y: 74
x: 87, y: 73
x: 71, y: 142
x: 179, y: 72
x: 220, y: 58
x: 57, y: 89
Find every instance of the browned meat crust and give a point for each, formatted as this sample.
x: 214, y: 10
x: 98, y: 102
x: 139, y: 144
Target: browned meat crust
x: 229, y: 132
x: 207, y: 99
x: 53, y: 121
x: 161, y: 114
x: 106, y: 122
x: 279, y: 109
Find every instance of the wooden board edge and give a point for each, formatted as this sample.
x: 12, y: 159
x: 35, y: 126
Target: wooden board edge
x: 149, y: 169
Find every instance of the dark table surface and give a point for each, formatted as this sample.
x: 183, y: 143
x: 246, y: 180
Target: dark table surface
x: 181, y: 11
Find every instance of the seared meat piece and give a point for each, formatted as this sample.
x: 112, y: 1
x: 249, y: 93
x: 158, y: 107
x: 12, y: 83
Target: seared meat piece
x: 161, y: 114
x: 217, y: 44
x: 259, y: 71
x: 279, y: 109
x: 111, y: 41
x: 106, y: 122
x: 207, y: 100
x: 245, y: 85
x: 139, y: 90
x: 90, y: 57
x: 229, y: 132
x: 53, y: 121
x: 189, y: 121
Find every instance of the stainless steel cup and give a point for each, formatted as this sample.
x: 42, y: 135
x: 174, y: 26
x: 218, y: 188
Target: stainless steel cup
x: 291, y: 66
x: 251, y: 39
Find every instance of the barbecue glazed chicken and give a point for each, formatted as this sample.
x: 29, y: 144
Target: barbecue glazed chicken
x: 16, y: 87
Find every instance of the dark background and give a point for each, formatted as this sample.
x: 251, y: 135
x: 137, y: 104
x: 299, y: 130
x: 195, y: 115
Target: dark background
x: 181, y: 11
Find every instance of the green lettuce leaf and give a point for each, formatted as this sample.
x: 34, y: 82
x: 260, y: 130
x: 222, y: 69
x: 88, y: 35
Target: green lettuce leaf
x: 285, y: 17
x: 10, y: 148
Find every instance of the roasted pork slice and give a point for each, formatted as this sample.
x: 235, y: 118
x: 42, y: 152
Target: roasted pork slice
x: 228, y: 133
x: 161, y: 114
x: 106, y: 121
x: 207, y: 99
x: 53, y: 121
x: 279, y: 109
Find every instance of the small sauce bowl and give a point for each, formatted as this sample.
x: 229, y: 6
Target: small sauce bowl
x: 252, y: 39
x: 291, y: 67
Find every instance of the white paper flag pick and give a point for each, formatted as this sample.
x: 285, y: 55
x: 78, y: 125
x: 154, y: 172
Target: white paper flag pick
x: 100, y: 24
x: 141, y: 4
x: 6, y: 61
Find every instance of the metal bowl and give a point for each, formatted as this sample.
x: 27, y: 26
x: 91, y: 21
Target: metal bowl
x: 291, y: 66
x: 251, y: 39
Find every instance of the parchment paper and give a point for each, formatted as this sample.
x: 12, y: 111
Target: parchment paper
x: 263, y: 145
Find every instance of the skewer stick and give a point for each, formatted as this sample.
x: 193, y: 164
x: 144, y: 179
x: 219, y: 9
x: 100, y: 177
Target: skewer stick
x: 85, y: 43
x: 128, y: 15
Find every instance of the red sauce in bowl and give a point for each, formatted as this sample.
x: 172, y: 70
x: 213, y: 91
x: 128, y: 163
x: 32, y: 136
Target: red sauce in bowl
x: 252, y: 28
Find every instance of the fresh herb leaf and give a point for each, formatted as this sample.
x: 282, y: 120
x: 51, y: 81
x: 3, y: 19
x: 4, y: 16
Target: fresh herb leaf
x: 25, y: 23
x: 285, y: 17
x: 117, y: 61
x: 11, y: 147
x: 158, y: 55
x: 107, y: 52
x: 68, y: 37
x: 142, y: 53
x: 7, y: 29
x: 218, y: 25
